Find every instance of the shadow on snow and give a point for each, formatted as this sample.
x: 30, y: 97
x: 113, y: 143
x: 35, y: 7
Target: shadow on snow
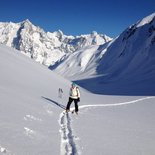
x: 100, y: 85
x: 54, y: 102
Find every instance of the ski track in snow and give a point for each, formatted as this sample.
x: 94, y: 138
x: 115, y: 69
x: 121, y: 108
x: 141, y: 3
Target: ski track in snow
x: 115, y: 104
x: 68, y: 145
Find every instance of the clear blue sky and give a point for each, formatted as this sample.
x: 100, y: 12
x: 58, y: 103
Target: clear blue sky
x: 75, y: 17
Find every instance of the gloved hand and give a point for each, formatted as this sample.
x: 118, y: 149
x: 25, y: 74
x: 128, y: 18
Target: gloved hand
x: 78, y: 99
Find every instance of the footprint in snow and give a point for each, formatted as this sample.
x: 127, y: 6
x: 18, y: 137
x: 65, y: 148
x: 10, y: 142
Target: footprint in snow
x: 49, y: 110
x: 31, y: 118
x: 28, y: 132
x: 2, y: 149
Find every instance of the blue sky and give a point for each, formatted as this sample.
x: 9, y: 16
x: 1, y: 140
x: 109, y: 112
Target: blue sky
x: 75, y: 17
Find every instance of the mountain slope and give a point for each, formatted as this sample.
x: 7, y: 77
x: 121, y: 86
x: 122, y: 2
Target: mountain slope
x: 127, y: 61
x: 132, y: 49
x: 28, y: 117
x: 81, y: 64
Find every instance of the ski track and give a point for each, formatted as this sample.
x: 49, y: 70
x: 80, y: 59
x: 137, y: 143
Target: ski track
x: 115, y: 104
x: 68, y: 145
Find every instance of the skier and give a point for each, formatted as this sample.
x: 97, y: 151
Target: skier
x: 74, y: 96
x: 60, y: 93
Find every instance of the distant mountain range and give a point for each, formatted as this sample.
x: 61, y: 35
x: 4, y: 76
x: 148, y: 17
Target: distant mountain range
x: 45, y: 47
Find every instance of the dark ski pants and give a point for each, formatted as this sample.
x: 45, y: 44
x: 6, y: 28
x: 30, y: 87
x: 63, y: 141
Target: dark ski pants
x: 69, y: 103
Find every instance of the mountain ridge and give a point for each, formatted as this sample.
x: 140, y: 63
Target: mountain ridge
x: 45, y: 47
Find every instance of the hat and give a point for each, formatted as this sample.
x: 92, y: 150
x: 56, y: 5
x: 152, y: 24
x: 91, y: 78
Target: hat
x: 73, y: 84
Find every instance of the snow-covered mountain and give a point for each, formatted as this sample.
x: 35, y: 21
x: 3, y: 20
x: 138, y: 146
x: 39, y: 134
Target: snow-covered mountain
x: 32, y: 121
x: 46, y: 48
x: 81, y: 64
x: 96, y: 62
x: 129, y: 60
x: 126, y: 61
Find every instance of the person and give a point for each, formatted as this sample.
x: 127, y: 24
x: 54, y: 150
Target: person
x: 60, y: 93
x: 74, y: 95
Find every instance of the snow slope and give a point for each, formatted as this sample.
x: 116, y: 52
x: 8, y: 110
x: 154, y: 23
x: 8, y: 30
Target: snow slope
x: 32, y: 122
x: 81, y: 64
x: 28, y: 120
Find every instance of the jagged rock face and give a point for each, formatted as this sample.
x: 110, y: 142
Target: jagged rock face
x: 46, y: 48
